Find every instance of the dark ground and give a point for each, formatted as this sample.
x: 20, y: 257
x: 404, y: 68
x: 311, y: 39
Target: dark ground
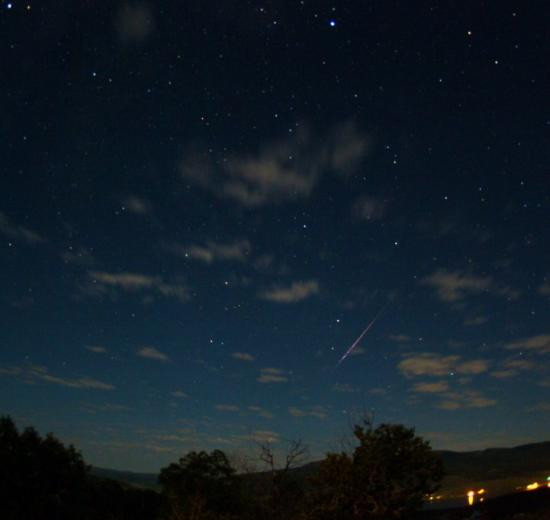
x: 526, y: 505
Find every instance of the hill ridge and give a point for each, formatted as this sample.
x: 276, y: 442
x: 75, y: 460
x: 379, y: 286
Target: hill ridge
x: 476, y: 465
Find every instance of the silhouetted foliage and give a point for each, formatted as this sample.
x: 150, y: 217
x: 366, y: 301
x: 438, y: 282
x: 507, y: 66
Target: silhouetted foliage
x: 201, y: 486
x: 38, y: 475
x: 387, y: 476
x: 40, y: 478
x: 284, y: 494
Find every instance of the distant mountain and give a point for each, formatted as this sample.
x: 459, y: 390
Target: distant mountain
x: 472, y: 466
x: 498, y: 462
x: 142, y: 480
x: 489, y: 464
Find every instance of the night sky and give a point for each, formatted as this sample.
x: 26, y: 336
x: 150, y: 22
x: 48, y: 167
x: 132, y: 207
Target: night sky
x: 203, y: 205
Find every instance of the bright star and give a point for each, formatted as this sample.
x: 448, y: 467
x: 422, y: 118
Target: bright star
x: 332, y: 23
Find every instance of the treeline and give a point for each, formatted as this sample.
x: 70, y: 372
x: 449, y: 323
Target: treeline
x: 386, y: 475
x: 40, y: 478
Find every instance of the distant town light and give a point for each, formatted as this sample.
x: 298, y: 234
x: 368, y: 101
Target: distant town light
x: 530, y: 487
x: 471, y: 497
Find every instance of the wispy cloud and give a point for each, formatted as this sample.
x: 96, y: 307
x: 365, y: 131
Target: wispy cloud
x: 96, y: 348
x: 431, y: 364
x: 34, y: 373
x: 262, y: 412
x: 263, y: 436
x: 369, y: 208
x: 272, y: 375
x: 467, y: 399
x: 264, y: 263
x: 399, y: 338
x: 431, y: 388
x: 243, y: 356
x: 473, y: 321
x: 512, y: 367
x: 11, y: 371
x: 81, y: 382
x: 544, y: 289
x: 344, y: 388
x: 474, y: 367
x: 455, y: 286
x: 19, y: 233
x: 378, y: 391
x: 540, y: 407
x: 279, y: 171
x: 539, y: 344
x: 358, y: 351
x: 105, y: 407
x: 136, y: 205
x: 296, y: 292
x: 135, y: 22
x: 227, y: 408
x: 427, y: 364
x: 152, y: 353
x: 101, y: 281
x: 80, y: 256
x: 179, y: 394
x: 236, y: 251
x: 319, y: 412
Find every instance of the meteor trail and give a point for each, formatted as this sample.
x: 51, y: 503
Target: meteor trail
x: 356, y: 342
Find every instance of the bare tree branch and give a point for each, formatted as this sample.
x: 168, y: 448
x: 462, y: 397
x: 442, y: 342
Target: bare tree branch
x: 296, y: 453
x: 266, y: 455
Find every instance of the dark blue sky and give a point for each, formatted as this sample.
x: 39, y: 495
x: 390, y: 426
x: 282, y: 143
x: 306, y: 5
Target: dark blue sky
x: 203, y: 204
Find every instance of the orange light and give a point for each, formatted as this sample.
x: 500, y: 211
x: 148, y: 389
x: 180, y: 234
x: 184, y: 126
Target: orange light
x: 530, y: 487
x: 481, y: 491
x: 471, y: 497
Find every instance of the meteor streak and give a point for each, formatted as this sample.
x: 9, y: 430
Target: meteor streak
x: 356, y: 342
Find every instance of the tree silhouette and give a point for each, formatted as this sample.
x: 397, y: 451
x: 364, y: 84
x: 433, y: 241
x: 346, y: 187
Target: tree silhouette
x: 284, y: 493
x: 39, y: 477
x: 387, y: 476
x: 200, y: 486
